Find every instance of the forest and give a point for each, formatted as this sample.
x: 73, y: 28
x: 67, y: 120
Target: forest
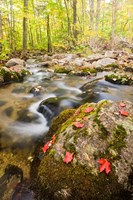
x: 64, y: 25
x: 66, y: 99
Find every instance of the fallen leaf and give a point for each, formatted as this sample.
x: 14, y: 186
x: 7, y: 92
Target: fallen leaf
x: 53, y: 139
x: 77, y: 112
x: 46, y: 146
x: 85, y: 118
x: 78, y: 124
x: 105, y: 165
x: 123, y: 113
x: 68, y: 157
x: 88, y: 110
x: 122, y: 104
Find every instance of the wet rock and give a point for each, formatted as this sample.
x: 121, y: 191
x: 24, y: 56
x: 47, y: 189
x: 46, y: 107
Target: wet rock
x: 106, y: 134
x: 120, y: 78
x: 14, y: 62
x: 50, y: 108
x: 44, y: 64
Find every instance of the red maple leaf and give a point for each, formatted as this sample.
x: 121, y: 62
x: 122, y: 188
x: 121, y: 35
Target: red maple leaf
x: 88, y: 110
x: 46, y: 146
x: 85, y: 118
x: 78, y: 124
x: 105, y: 165
x: 68, y: 157
x: 53, y: 139
x: 77, y: 112
x: 124, y: 113
x: 122, y: 104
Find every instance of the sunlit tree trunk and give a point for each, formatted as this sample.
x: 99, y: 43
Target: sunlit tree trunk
x: 49, y: 43
x: 74, y: 21
x: 68, y: 18
x: 98, y: 14
x: 91, y: 3
x: 1, y: 33
x: 25, y: 27
x: 114, y: 13
x: 83, y: 15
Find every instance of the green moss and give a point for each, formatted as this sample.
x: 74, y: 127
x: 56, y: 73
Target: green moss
x: 60, y: 69
x: 83, y: 184
x: 59, y: 120
x: 119, y: 78
x: 88, y: 70
x: 118, y: 141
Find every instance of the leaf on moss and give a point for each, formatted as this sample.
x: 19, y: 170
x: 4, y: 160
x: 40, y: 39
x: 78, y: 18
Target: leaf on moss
x: 46, y: 146
x: 88, y: 110
x: 122, y: 104
x: 68, y: 157
x: 53, y: 139
x: 105, y: 165
x: 77, y: 112
x: 85, y: 118
x: 78, y: 124
x: 123, y: 113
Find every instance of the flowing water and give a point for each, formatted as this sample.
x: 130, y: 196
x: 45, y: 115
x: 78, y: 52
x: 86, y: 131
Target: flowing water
x: 20, y: 122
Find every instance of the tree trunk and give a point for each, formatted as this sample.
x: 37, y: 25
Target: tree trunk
x: 83, y: 15
x: 68, y: 19
x: 91, y: 2
x: 74, y: 21
x: 25, y: 27
x: 98, y: 14
x: 1, y: 33
x: 49, y: 35
x: 114, y: 12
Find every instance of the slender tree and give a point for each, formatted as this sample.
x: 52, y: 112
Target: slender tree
x: 91, y: 2
x: 98, y: 14
x: 25, y: 27
x: 114, y: 13
x: 49, y: 43
x: 74, y: 21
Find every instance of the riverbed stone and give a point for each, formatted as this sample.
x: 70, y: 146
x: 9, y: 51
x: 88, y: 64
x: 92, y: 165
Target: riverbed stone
x: 104, y: 63
x: 105, y: 134
x: 14, y: 62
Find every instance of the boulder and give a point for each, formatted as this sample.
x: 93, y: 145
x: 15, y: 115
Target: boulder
x: 92, y: 135
x: 13, y: 74
x: 105, y: 63
x: 14, y: 62
x: 120, y: 78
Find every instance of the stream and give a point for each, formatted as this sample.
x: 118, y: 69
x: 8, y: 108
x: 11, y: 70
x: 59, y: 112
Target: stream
x: 20, y: 122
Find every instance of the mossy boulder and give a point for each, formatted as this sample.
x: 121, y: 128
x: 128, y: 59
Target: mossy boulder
x: 13, y: 74
x: 120, y: 78
x: 105, y: 134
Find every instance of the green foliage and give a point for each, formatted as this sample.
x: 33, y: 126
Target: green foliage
x: 62, y: 39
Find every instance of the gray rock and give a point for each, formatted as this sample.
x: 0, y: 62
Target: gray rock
x: 104, y: 62
x: 44, y: 64
x: 14, y: 62
x: 104, y: 133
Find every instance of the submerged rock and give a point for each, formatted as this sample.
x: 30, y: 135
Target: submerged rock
x: 105, y: 133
